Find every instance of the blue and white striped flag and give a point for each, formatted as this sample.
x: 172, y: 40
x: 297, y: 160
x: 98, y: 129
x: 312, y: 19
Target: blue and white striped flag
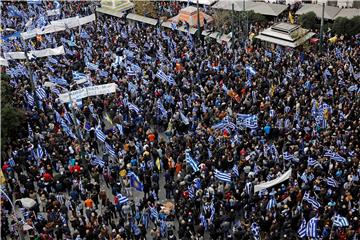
x: 11, y: 162
x: 55, y: 91
x: 39, y: 153
x: 29, y: 98
x: 97, y: 161
x: 247, y: 120
x: 170, y: 80
x: 53, y: 60
x: 235, y: 170
x: 100, y: 135
x: 110, y: 149
x: 162, y: 76
x: 91, y: 66
x: 203, y: 221
x: 334, y: 156
x: 161, y: 108
x: 191, y: 162
x: 122, y: 199
x: 302, y: 229
x: 271, y: 204
x: 313, y: 163
x: 330, y: 181
x: 133, y: 107
x: 154, y: 213
x: 226, y: 177
x: 120, y: 128
x: 84, y: 34
x: 255, y: 230
x: 340, y: 221
x: 191, y: 192
x: 103, y: 73
x: 311, y: 200
x: 41, y: 93
x: 311, y: 228
x: 78, y: 76
x: 289, y: 157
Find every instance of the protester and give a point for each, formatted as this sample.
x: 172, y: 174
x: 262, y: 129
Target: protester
x: 181, y: 147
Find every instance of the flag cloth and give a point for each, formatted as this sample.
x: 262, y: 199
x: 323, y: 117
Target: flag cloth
x: 226, y: 177
x: 311, y: 228
x: 135, y: 182
x: 340, y: 221
x: 191, y: 162
x: 302, y: 229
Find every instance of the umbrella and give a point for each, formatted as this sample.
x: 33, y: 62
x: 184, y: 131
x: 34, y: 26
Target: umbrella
x: 27, y: 202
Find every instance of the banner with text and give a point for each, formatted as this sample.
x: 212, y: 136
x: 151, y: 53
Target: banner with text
x: 88, y: 92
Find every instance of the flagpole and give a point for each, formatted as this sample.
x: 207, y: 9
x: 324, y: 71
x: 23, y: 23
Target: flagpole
x: 198, y: 19
x: 322, y: 26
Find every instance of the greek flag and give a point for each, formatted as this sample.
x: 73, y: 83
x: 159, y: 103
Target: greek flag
x: 311, y: 228
x: 250, y: 70
x: 212, y: 212
x: 122, y: 199
x: 353, y: 88
x: 132, y: 87
x: 170, y: 80
x: 135, y: 68
x: 313, y: 163
x: 100, y: 135
x: 311, y: 200
x: 103, y: 73
x: 84, y: 35
x: 58, y: 80
x: 11, y: 162
x: 120, y: 128
x: 110, y: 149
x: 53, y: 60
x: 162, y: 76
x: 235, y: 170
x: 154, y: 213
x: 133, y: 107
x: 226, y: 177
x: 255, y: 230
x: 55, y: 91
x: 340, y: 221
x: 203, y: 221
x: 90, y: 66
x: 191, y: 162
x: 289, y: 157
x: 161, y: 108
x: 41, y: 93
x: 78, y: 76
x: 29, y: 98
x: 247, y: 120
x: 271, y: 204
x: 302, y: 229
x: 191, y: 192
x: 96, y: 161
x: 334, y: 156
x: 331, y: 182
x: 39, y: 153
x: 184, y: 119
x: 197, y: 183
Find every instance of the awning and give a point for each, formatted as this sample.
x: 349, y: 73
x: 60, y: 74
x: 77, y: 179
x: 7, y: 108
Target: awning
x: 182, y: 28
x: 258, y: 7
x: 348, y: 13
x: 139, y: 18
x: 110, y: 12
x: 201, y: 2
x: 286, y: 43
x: 329, y: 13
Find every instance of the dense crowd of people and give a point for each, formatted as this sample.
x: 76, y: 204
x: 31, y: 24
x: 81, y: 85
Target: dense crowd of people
x: 192, y: 128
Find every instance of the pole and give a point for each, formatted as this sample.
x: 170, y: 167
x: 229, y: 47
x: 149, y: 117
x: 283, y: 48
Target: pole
x: 232, y: 27
x: 198, y: 19
x: 322, y: 26
x: 18, y: 225
x: 30, y: 72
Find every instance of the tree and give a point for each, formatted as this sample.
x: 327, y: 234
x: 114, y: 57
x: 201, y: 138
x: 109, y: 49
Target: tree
x: 354, y: 26
x: 12, y: 118
x: 308, y: 20
x: 341, y: 26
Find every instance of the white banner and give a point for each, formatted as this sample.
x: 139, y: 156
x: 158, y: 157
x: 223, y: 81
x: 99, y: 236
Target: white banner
x: 37, y: 53
x: 88, y: 92
x: 53, y: 12
x: 59, y: 25
x: 3, y: 62
x: 273, y: 182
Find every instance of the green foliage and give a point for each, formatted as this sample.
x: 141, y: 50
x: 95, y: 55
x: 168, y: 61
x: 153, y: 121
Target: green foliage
x: 11, y: 118
x: 354, y: 26
x: 341, y: 26
x: 308, y: 20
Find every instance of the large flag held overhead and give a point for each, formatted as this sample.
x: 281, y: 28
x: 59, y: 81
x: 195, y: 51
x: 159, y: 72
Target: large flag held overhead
x: 191, y: 162
x: 226, y: 177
